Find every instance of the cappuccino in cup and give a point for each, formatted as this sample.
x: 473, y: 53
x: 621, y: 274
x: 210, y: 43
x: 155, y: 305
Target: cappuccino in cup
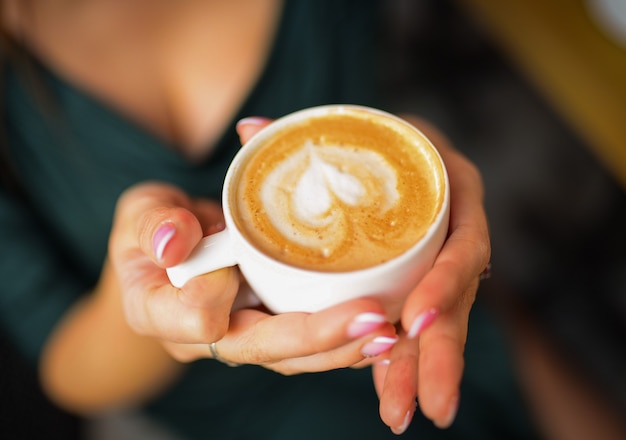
x: 328, y: 204
x: 338, y: 192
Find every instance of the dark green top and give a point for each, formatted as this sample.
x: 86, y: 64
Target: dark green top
x: 74, y: 157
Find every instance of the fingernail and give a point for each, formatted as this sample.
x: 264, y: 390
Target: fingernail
x: 161, y: 238
x: 365, y: 323
x: 378, y: 345
x: 422, y: 321
x: 215, y: 228
x: 453, y: 407
x: 405, y: 424
x: 253, y: 120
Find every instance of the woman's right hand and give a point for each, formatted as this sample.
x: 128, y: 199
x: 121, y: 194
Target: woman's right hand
x: 156, y: 226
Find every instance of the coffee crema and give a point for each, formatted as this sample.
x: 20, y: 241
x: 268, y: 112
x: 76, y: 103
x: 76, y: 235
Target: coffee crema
x: 339, y: 192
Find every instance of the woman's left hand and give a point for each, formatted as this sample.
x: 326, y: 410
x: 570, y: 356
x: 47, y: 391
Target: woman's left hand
x: 427, y: 362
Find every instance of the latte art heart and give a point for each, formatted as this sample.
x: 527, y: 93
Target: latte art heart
x: 313, y: 190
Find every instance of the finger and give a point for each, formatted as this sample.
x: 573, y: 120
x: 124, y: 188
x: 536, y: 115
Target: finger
x: 399, y: 390
x: 372, y: 361
x: 349, y: 355
x: 158, y: 219
x: 441, y: 367
x: 210, y: 297
x: 248, y: 127
x: 255, y: 338
x: 379, y: 372
x: 236, y: 346
x: 447, y: 285
x: 198, y: 313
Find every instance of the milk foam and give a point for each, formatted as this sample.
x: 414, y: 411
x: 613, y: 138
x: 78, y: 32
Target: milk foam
x: 312, y: 191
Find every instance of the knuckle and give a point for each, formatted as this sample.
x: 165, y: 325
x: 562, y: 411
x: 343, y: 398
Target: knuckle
x: 209, y: 327
x: 198, y: 326
x: 317, y: 338
x: 253, y: 351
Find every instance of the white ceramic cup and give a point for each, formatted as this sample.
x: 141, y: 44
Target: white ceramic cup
x: 284, y: 288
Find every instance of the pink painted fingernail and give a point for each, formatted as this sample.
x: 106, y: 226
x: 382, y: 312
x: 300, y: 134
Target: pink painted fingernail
x: 405, y: 424
x: 365, y: 323
x: 253, y: 120
x: 422, y: 321
x: 161, y: 238
x: 378, y: 345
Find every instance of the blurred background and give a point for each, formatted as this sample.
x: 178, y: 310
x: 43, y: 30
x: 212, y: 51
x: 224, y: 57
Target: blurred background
x: 532, y: 92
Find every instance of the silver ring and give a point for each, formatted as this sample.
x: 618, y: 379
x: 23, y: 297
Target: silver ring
x: 217, y: 357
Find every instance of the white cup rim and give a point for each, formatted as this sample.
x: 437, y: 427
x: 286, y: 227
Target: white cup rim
x: 257, y: 139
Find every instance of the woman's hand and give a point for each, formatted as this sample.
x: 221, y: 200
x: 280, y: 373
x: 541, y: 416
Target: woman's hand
x: 427, y: 362
x: 157, y: 226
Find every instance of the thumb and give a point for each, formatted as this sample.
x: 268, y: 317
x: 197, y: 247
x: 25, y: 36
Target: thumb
x: 157, y: 218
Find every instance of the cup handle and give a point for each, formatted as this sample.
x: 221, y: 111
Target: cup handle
x: 212, y: 253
